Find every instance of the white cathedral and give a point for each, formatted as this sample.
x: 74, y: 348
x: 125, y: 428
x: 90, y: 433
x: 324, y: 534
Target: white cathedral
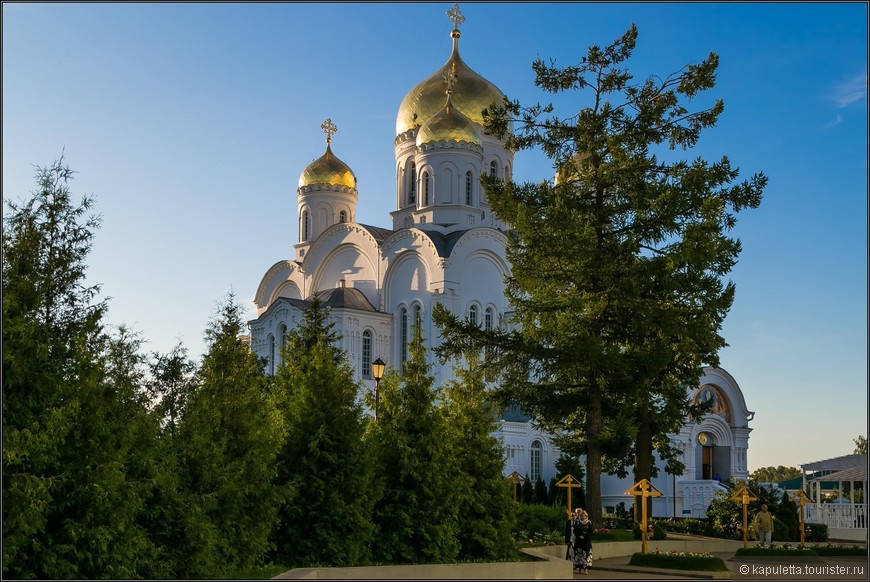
x: 445, y: 246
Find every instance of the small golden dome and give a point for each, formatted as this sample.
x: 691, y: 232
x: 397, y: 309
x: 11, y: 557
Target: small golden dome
x: 471, y: 94
x: 449, y: 124
x: 572, y: 169
x: 327, y: 169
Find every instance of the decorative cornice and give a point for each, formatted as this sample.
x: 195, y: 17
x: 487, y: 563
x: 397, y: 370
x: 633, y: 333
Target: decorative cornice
x: 450, y: 144
x: 409, y: 134
x: 326, y: 188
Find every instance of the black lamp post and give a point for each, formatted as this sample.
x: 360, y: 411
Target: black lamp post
x: 377, y: 373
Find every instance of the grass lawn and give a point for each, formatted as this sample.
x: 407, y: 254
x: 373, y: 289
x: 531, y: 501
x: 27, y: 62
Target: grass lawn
x: 679, y: 561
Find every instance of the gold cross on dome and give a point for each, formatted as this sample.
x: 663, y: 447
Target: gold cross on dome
x: 329, y: 129
x: 455, y: 16
x: 450, y: 79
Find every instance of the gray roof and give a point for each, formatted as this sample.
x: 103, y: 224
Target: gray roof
x: 380, y: 234
x: 837, y: 463
x: 513, y: 413
x: 851, y: 474
x: 344, y: 298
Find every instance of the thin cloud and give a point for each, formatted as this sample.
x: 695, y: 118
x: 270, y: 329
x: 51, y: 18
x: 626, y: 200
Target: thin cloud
x: 850, y: 91
x: 837, y: 121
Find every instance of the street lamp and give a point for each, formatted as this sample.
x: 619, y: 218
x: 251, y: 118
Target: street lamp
x: 377, y: 374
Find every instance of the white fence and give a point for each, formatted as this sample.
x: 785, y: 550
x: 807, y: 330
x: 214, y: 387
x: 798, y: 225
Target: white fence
x: 838, y: 515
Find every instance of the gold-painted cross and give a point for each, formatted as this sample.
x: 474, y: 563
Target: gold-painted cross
x: 455, y: 16
x: 745, y: 496
x: 803, y: 498
x: 329, y: 129
x: 516, y: 478
x: 643, y: 489
x: 570, y: 482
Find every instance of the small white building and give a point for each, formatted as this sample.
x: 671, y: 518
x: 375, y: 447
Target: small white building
x: 445, y: 246
x: 846, y: 518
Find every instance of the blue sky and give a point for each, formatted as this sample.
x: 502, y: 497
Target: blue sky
x: 190, y: 124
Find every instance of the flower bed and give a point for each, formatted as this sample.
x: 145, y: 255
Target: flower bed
x: 776, y: 550
x: 830, y: 549
x: 679, y: 561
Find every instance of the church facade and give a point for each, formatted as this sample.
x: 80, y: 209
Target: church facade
x: 443, y: 246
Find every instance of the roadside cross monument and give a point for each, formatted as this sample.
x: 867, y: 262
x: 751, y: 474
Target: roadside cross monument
x: 802, y: 497
x: 570, y: 482
x: 643, y: 489
x: 745, y: 496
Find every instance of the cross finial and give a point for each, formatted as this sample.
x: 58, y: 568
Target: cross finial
x: 329, y: 129
x: 450, y: 79
x: 455, y: 16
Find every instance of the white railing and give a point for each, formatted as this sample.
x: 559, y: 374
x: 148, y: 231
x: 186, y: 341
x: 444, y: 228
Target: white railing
x: 697, y: 495
x: 838, y: 515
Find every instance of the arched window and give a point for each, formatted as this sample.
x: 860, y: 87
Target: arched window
x: 492, y: 168
x: 468, y: 188
x: 342, y: 216
x: 271, y: 354
x: 487, y: 318
x: 403, y: 333
x: 425, y: 188
x: 282, y: 339
x: 412, y: 191
x: 472, y: 315
x: 367, y: 354
x: 536, y: 461
x: 418, y: 315
x: 304, y: 227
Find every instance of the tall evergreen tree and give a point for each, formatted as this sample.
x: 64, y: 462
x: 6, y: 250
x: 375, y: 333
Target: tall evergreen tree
x: 230, y: 433
x: 416, y: 516
x: 486, y: 510
x: 76, y: 435
x: 324, y: 466
x: 617, y: 266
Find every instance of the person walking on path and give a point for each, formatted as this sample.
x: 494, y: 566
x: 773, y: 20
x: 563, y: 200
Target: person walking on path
x: 569, y: 533
x: 582, y: 543
x: 764, y: 526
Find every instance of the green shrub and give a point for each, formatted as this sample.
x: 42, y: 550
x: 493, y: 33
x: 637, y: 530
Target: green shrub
x: 687, y: 525
x: 816, y: 532
x: 657, y: 533
x: 540, y: 523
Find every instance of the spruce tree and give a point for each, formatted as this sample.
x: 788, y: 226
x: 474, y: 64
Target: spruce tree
x: 77, y: 438
x: 617, y: 266
x: 324, y: 467
x: 230, y: 432
x: 486, y: 509
x: 416, y: 516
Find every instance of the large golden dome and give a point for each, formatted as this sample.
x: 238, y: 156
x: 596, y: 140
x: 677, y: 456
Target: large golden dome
x: 327, y: 169
x: 449, y: 124
x: 470, y: 95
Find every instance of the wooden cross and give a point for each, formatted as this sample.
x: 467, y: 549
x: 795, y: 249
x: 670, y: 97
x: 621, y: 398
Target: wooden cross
x: 803, y: 499
x: 455, y: 16
x: 515, y: 479
x: 329, y: 129
x: 643, y: 489
x: 570, y: 482
x: 745, y: 496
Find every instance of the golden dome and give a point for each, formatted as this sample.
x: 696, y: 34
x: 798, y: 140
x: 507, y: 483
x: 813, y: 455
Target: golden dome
x: 449, y: 124
x: 328, y: 169
x: 470, y: 95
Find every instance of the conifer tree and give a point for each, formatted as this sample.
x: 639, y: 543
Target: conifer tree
x: 486, y: 509
x: 229, y: 437
x: 76, y: 435
x: 617, y: 265
x: 324, y: 467
x: 416, y: 516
